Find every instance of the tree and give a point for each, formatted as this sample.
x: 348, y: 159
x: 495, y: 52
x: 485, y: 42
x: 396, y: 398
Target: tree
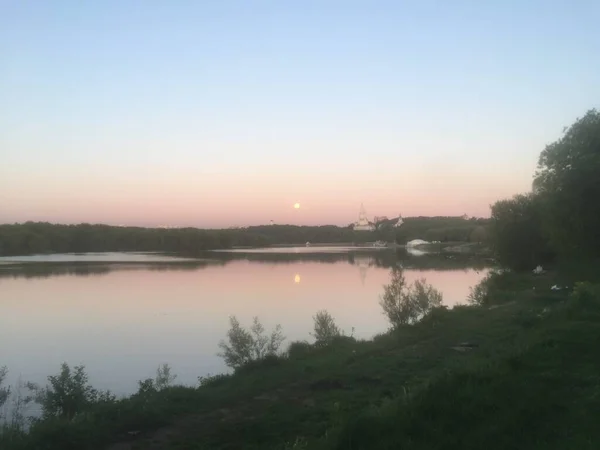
x: 68, y: 393
x: 164, y: 377
x: 244, y: 345
x: 517, y: 232
x: 479, y: 235
x: 325, y: 328
x: 568, y: 183
x: 407, y: 304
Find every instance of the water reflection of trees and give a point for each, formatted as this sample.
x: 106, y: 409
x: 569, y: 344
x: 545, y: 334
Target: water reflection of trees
x: 80, y: 269
x: 362, y: 259
x: 365, y: 258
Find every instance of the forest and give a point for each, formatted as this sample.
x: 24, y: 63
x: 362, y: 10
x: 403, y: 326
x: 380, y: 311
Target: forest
x: 40, y: 237
x: 560, y: 218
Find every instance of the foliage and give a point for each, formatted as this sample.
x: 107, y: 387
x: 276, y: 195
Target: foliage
x: 4, y: 391
x: 13, y: 424
x: 436, y: 315
x: 499, y: 287
x: 19, y: 402
x: 562, y: 214
x: 443, y: 229
x: 325, y: 328
x: 299, y: 349
x: 585, y: 294
x: 164, y: 377
x: 479, y: 294
x: 68, y: 393
x: 518, y: 236
x: 213, y: 380
x: 40, y: 237
x: 479, y: 234
x: 567, y: 182
x: 522, y: 397
x: 244, y: 346
x: 405, y: 304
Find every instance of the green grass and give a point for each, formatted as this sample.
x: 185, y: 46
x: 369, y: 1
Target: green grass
x: 531, y: 381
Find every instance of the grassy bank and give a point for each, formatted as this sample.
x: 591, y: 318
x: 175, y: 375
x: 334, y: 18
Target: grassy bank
x: 517, y: 371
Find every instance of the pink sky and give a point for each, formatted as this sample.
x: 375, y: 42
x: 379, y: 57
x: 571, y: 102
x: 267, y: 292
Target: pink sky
x: 210, y: 115
x: 183, y: 197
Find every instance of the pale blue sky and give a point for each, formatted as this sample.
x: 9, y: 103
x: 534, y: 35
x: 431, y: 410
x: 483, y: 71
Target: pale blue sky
x: 204, y: 113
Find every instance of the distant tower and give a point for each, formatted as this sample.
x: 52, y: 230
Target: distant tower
x: 363, y: 223
x: 272, y: 223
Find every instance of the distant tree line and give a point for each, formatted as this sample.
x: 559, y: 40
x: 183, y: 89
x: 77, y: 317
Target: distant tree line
x: 443, y: 229
x: 40, y: 237
x: 560, y: 218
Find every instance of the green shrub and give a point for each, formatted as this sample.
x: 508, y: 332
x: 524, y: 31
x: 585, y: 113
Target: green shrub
x: 406, y: 304
x: 4, y: 391
x: 164, y: 378
x: 498, y: 287
x: 244, y: 346
x: 271, y: 360
x: 436, y: 315
x: 213, y: 380
x: 585, y: 295
x: 299, y: 349
x: 325, y: 328
x: 68, y: 393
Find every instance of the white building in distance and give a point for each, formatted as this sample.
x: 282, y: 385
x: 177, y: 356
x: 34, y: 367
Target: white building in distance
x: 363, y: 223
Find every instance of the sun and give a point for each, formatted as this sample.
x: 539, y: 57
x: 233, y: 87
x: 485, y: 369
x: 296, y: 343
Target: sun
x: 296, y: 205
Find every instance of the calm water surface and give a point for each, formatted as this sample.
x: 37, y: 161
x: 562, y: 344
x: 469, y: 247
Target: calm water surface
x: 123, y: 314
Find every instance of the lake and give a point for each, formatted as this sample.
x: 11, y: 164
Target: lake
x: 121, y: 315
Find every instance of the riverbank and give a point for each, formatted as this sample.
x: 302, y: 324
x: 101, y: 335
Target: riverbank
x: 518, y: 370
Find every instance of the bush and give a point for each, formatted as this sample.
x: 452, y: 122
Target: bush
x: 213, y: 380
x: 585, y: 295
x: 164, y: 378
x: 404, y: 304
x: 436, y: 315
x: 325, y: 328
x: 517, y: 233
x: 68, y: 393
x: 4, y: 391
x: 299, y: 349
x: 245, y: 346
x: 499, y: 287
x: 262, y: 363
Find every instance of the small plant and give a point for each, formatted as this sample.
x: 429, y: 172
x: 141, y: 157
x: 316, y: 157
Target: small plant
x: 164, y: 378
x: 405, y: 304
x: 249, y: 345
x: 325, y: 328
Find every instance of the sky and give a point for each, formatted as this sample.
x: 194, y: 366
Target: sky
x: 227, y: 113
